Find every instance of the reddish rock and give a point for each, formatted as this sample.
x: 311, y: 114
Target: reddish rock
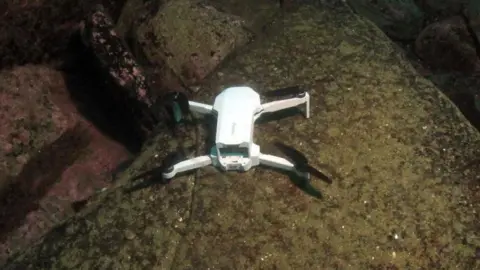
x: 117, y: 63
x: 29, y: 120
x: 38, y: 141
x: 50, y: 155
x: 91, y: 172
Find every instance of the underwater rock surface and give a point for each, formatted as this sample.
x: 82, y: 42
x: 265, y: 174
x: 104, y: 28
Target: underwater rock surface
x: 405, y: 192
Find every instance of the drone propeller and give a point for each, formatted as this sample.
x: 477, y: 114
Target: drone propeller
x: 167, y: 165
x: 171, y: 159
x: 286, y: 91
x: 301, y: 161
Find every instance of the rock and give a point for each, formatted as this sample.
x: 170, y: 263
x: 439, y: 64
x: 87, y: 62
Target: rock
x: 118, y: 64
x: 403, y: 195
x: 90, y: 173
x: 38, y: 141
x: 401, y: 20
x: 194, y: 47
x: 137, y: 63
x: 47, y: 24
x: 30, y: 120
x: 66, y: 159
x: 472, y: 13
x: 463, y: 90
x: 257, y: 15
x: 442, y: 9
x: 447, y: 45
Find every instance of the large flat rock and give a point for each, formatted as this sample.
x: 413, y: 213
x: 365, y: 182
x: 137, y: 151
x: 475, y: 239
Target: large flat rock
x: 395, y: 146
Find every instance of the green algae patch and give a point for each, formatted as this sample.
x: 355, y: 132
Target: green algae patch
x: 391, y: 142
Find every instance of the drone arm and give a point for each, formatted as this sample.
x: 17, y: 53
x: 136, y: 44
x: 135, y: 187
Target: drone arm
x: 188, y: 165
x: 200, y: 108
x: 288, y: 103
x: 276, y: 162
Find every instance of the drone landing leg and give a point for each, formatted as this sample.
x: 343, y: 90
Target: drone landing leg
x: 188, y: 165
x: 200, y: 107
x: 289, y: 103
x: 277, y: 162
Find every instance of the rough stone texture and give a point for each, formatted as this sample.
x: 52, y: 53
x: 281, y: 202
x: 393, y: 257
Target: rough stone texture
x: 441, y: 9
x: 404, y: 196
x: 256, y: 14
x: 35, y: 31
x: 51, y: 156
x: 38, y: 141
x: 472, y: 14
x: 29, y: 118
x: 447, y: 45
x: 398, y: 19
x: 87, y: 175
x: 194, y: 46
x: 115, y: 61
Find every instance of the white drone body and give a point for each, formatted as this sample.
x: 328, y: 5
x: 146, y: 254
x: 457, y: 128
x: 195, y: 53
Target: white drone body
x: 237, y: 109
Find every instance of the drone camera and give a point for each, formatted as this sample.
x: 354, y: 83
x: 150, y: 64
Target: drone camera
x: 233, y: 151
x: 233, y: 157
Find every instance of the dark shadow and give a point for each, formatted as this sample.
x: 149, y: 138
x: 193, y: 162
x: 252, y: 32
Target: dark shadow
x: 146, y: 183
x: 471, y: 31
x: 99, y: 100
x: 301, y: 182
x: 37, y: 177
x: 154, y: 177
x: 122, y: 167
x: 466, y: 103
x: 151, y: 178
x: 209, y: 124
x: 278, y: 115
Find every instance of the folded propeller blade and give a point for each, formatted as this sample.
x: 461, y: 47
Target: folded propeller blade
x: 313, y: 171
x: 296, y: 156
x: 301, y: 161
x: 167, y: 164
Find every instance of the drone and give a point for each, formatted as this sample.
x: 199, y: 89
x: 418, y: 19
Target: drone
x: 236, y: 110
